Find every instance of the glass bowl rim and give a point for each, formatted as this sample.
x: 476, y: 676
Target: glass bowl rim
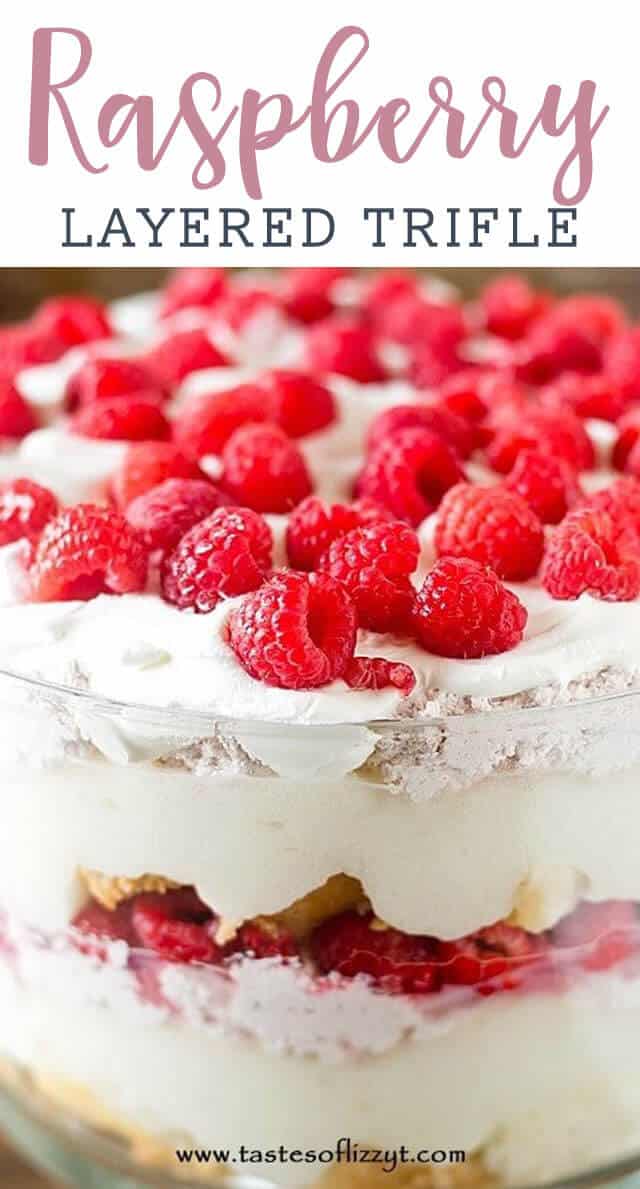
x: 202, y: 722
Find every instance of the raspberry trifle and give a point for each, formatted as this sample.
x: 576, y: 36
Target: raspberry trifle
x: 320, y: 673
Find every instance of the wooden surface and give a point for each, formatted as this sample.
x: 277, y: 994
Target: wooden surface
x: 15, y: 1174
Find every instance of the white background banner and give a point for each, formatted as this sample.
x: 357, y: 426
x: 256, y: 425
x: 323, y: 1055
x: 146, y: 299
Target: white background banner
x: 512, y: 125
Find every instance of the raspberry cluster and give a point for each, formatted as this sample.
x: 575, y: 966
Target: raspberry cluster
x: 482, y: 465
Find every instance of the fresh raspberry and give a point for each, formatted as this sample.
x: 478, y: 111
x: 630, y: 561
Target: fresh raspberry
x: 17, y: 418
x: 622, y: 362
x: 602, y: 934
x: 184, y: 352
x: 409, y: 473
x: 435, y: 417
x: 351, y: 944
x: 146, y: 465
x: 263, y: 939
x: 162, y: 515
x: 492, y: 526
x: 85, y: 551
x: 96, y: 921
x: 307, y: 293
x: 72, y: 320
x: 297, y: 632
x: 25, y: 508
x: 375, y: 672
x: 344, y: 348
x: 510, y: 307
x: 427, y: 369
x: 105, y: 377
x: 414, y: 321
x: 600, y: 317
x: 628, y: 435
x: 22, y: 346
x: 220, y: 557
x: 590, y: 553
x: 207, y: 421
x: 461, y: 394
x: 176, y: 926
x: 297, y: 403
x: 122, y: 419
x: 313, y: 525
x: 193, y: 288
x: 620, y: 501
x: 498, y: 952
x: 556, y: 432
x: 588, y: 396
x: 548, y: 485
x: 383, y: 291
x: 463, y: 610
x: 243, y: 306
x: 553, y: 347
x: 263, y: 469
x: 374, y: 564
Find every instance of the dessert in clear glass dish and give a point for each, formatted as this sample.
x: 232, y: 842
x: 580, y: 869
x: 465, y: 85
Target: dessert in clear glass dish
x: 320, y: 720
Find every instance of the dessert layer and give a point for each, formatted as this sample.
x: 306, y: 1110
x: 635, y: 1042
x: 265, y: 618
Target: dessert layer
x: 252, y: 845
x: 570, y: 1060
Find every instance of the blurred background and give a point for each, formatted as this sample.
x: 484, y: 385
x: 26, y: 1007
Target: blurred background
x: 22, y: 288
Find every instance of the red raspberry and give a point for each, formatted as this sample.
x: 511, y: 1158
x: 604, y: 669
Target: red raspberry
x: 622, y: 362
x: 72, y: 321
x: 510, y: 307
x: 497, y: 952
x: 176, y: 926
x: 243, y: 305
x: 384, y: 290
x: 263, y: 939
x: 297, y: 403
x: 409, y: 473
x: 146, y: 465
x: 17, y: 418
x: 552, y: 347
x: 193, y: 288
x: 461, y: 394
x: 220, y: 557
x: 307, y: 293
x: 437, y: 418
x: 106, y: 377
x: 94, y: 920
x: 556, y: 432
x: 313, y: 525
x: 628, y: 435
x: 414, y: 321
x: 344, y: 348
x: 184, y: 352
x: 603, y: 933
x: 492, y: 526
x: 25, y: 508
x: 207, y: 421
x: 620, y: 501
x: 375, y: 672
x: 122, y: 419
x: 350, y: 944
x: 374, y: 564
x: 588, y: 396
x: 297, y: 632
x: 85, y: 551
x: 428, y: 369
x: 263, y: 469
x: 21, y: 346
x: 162, y: 515
x: 600, y: 317
x: 590, y: 553
x: 548, y: 485
x: 463, y: 610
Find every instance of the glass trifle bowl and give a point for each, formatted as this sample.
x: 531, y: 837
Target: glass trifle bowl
x: 296, y: 947
x: 319, y: 689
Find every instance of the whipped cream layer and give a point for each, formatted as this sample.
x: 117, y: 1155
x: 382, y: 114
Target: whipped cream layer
x: 559, y: 1079
x: 530, y: 841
